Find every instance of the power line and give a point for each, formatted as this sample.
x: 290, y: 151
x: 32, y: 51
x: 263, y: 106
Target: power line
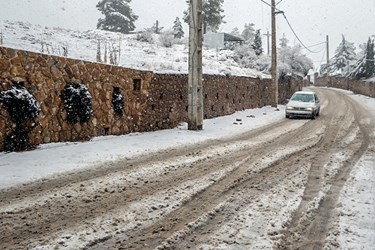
x: 279, y: 2
x: 290, y: 26
x: 295, y: 34
x: 316, y: 44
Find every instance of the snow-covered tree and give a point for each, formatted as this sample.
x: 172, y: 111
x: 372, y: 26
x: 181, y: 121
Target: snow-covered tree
x: 235, y: 32
x: 119, y: 17
x: 292, y: 61
x: 362, y: 50
x: 284, y: 41
x: 370, y: 68
x: 246, y: 56
x: 178, y: 31
x: 257, y: 44
x: 344, y: 56
x: 364, y: 67
x: 212, y: 16
x: 359, y: 69
x: 248, y: 32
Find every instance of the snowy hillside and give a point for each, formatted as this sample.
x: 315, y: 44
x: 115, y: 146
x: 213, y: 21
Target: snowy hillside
x: 133, y: 53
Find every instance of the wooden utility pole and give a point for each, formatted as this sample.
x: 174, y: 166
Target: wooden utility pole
x: 274, y: 57
x: 268, y: 35
x: 195, y: 89
x: 327, y: 43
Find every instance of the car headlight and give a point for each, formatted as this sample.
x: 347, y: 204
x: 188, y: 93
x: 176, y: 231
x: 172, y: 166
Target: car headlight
x: 289, y: 107
x: 309, y: 109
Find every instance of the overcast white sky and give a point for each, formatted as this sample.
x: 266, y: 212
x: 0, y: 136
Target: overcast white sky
x: 312, y: 20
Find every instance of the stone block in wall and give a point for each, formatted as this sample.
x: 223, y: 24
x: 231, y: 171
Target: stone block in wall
x: 16, y: 61
x: 56, y: 73
x: 41, y: 61
x: 4, y: 65
x: 17, y: 71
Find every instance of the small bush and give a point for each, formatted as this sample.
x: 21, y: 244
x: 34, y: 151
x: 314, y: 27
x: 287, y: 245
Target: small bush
x: 17, y: 140
x: 77, y: 103
x: 118, y: 101
x: 20, y: 104
x: 167, y: 39
x: 145, y: 36
x: 23, y: 108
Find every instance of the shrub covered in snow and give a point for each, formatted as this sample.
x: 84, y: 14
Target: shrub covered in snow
x: 22, y: 108
x: 77, y: 103
x: 118, y: 101
x: 167, y: 39
x: 246, y: 56
x: 20, y: 104
x: 145, y: 36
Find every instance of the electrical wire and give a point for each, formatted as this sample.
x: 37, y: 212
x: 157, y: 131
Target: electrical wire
x: 295, y: 34
x: 316, y: 44
x: 279, y: 2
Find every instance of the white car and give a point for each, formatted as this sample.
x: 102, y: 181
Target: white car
x: 303, y: 104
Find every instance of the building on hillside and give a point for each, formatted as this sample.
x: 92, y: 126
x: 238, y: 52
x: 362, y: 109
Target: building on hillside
x: 221, y: 40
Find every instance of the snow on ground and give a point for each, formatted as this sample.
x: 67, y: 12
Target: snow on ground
x: 356, y: 225
x: 54, y: 158
x: 134, y: 54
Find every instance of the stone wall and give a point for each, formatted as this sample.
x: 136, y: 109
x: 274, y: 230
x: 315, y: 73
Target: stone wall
x: 357, y: 86
x: 152, y: 101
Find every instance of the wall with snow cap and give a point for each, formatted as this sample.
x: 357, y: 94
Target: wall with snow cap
x: 151, y: 101
x: 357, y: 86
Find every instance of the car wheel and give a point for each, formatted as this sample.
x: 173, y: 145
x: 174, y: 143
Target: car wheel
x: 287, y: 116
x: 313, y: 116
x: 317, y: 114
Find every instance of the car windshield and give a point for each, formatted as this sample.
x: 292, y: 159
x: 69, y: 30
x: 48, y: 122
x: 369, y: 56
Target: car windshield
x: 303, y: 97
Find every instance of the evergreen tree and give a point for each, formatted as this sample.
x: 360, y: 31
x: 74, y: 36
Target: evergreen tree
x: 248, y: 33
x: 257, y: 44
x: 212, y: 16
x: 364, y: 67
x: 284, y: 41
x: 369, y: 66
x: 362, y: 50
x: 359, y: 70
x: 178, y: 31
x: 344, y: 54
x: 119, y: 17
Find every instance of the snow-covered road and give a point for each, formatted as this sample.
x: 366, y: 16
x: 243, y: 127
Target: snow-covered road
x: 261, y: 183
